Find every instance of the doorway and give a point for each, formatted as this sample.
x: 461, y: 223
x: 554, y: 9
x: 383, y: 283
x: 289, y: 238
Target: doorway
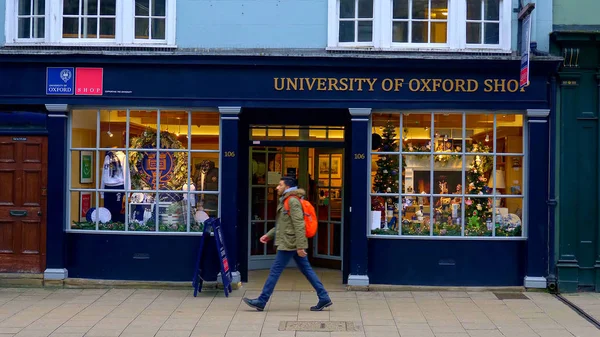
x: 23, y: 173
x: 320, y: 172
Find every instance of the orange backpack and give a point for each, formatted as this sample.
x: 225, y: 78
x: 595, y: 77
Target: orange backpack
x: 310, y: 216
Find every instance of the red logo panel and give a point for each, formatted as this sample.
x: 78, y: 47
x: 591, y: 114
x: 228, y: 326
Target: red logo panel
x: 88, y: 81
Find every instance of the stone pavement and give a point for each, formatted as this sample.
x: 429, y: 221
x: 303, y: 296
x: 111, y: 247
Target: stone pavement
x: 165, y: 313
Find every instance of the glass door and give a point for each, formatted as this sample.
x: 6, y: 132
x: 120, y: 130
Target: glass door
x: 267, y: 165
x: 329, y: 204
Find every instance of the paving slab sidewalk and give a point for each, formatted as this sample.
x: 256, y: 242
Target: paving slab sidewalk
x: 176, y: 313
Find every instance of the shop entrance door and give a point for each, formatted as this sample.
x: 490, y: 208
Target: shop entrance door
x: 23, y: 178
x: 319, y: 172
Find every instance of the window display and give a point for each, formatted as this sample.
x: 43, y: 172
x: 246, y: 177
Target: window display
x: 447, y: 174
x: 158, y: 170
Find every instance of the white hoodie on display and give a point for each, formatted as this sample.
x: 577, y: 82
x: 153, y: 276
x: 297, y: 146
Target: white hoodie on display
x: 116, y: 177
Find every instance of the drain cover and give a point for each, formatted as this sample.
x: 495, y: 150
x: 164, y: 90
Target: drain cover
x: 317, y: 326
x: 511, y: 296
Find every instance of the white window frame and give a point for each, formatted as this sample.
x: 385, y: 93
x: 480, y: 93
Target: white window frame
x: 97, y: 176
x: 124, y: 27
x: 382, y: 30
x: 524, y: 184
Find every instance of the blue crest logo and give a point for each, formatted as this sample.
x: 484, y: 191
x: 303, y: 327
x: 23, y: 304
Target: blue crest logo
x: 66, y: 75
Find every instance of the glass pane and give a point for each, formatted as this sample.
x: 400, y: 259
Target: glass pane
x: 365, y: 9
x: 385, y: 215
x: 335, y: 202
x: 84, y: 167
x: 509, y: 135
x: 158, y: 29
x: 271, y: 249
x: 347, y: 9
x: 420, y: 32
x: 143, y: 212
x: 258, y: 200
x: 90, y: 7
x: 142, y: 7
x: 478, y: 217
x: 142, y: 137
x: 420, y: 9
x: 492, y: 33
x: 84, y: 125
x: 142, y: 28
x: 24, y: 7
x: 474, y: 9
x: 448, y: 175
x: 112, y: 127
x: 447, y: 216
x: 478, y: 173
x: 107, y: 28
x: 416, y: 216
x: 204, y: 132
x: 172, y: 214
x: 322, y: 236
x: 416, y: 133
x: 448, y: 133
x: 89, y: 28
x: 24, y: 28
x: 70, y: 29
x: 400, y: 32
x: 257, y: 229
x: 417, y: 174
x: 158, y: 8
x: 509, y: 219
x: 480, y: 130
x: 336, y: 240
x: 492, y: 9
x: 70, y: 7
x: 39, y: 7
x: 503, y: 178
x: 474, y: 32
x: 82, y: 206
x: 385, y: 173
x: 439, y: 9
x: 385, y: 132
x: 108, y: 7
x: 171, y: 124
x: 365, y: 31
x: 439, y: 32
x: 39, y: 28
x: 346, y: 31
x: 400, y: 9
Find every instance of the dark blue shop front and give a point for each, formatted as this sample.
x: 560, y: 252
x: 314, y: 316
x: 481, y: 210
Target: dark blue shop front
x: 424, y: 172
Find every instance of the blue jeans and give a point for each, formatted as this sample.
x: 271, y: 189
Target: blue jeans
x: 282, y: 258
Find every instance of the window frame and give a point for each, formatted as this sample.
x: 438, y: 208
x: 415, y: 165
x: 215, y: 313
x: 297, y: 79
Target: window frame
x: 464, y: 154
x: 124, y: 27
x: 127, y: 149
x: 457, y: 22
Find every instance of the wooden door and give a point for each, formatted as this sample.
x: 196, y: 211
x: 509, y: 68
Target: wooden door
x: 23, y: 179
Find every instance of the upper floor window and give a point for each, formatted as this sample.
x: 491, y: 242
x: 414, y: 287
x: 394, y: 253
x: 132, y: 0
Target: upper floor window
x: 439, y: 24
x: 91, y: 22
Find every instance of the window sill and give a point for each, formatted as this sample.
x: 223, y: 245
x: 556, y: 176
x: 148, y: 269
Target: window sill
x: 90, y: 44
x: 416, y: 50
x: 83, y: 231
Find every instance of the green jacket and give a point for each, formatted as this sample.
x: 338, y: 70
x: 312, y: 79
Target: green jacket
x: 289, y: 231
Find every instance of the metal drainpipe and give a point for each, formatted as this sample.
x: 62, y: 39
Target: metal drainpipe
x: 552, y: 203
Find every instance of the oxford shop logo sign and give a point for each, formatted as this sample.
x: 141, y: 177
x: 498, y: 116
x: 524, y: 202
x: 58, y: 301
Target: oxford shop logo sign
x: 74, y: 81
x: 329, y: 84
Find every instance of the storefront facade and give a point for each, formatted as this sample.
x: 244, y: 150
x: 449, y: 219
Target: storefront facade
x: 379, y: 143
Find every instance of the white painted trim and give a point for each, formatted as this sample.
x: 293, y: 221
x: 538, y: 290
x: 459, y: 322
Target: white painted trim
x: 538, y: 113
x: 360, y: 111
x: 358, y: 280
x: 230, y: 110
x: 55, y: 274
x: 537, y: 282
x: 456, y: 38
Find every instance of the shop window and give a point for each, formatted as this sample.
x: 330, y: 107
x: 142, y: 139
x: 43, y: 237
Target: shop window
x: 91, y: 22
x: 405, y: 24
x: 143, y: 170
x: 447, y: 174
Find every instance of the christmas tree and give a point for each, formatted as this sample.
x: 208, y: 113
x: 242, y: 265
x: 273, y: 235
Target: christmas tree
x: 386, y: 178
x: 478, y: 209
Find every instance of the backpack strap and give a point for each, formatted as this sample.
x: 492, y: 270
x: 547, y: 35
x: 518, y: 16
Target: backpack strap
x: 286, y: 203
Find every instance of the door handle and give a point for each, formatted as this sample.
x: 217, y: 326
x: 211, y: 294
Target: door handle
x: 15, y: 212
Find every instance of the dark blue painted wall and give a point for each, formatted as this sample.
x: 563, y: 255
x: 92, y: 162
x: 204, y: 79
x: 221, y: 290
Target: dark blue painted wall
x: 169, y: 258
x: 447, y: 262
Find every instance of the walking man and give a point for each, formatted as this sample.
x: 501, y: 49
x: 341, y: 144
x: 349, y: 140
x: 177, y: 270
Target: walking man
x: 291, y: 242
